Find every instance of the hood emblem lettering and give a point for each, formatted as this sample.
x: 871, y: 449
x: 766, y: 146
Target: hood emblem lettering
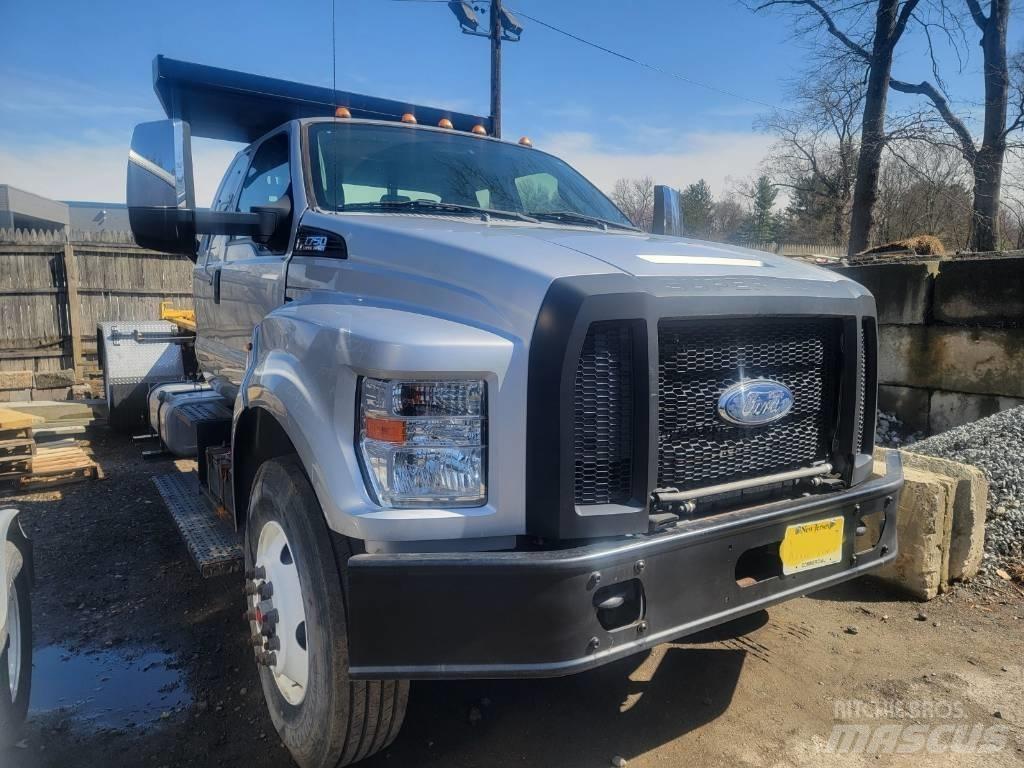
x: 755, y: 402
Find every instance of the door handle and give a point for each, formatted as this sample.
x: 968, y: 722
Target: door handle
x: 215, y: 279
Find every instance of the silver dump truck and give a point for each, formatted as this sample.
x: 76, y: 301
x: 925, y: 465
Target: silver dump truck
x: 467, y: 421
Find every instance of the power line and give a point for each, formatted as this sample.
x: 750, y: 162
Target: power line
x: 632, y: 60
x: 652, y: 67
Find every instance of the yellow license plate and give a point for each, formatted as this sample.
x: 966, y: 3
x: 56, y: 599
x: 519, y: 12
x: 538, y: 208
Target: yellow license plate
x: 812, y: 545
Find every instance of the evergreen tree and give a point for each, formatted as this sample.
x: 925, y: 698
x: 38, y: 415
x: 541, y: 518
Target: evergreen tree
x: 698, y: 210
x: 763, y: 222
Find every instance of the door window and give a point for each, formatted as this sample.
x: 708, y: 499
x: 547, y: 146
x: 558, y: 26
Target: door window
x: 213, y: 245
x: 269, y: 176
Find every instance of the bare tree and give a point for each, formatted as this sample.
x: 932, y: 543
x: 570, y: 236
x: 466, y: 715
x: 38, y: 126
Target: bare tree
x: 1011, y: 213
x: 635, y: 198
x: 728, y: 218
x: 815, y: 155
x: 874, y: 45
x: 986, y: 160
x: 923, y: 188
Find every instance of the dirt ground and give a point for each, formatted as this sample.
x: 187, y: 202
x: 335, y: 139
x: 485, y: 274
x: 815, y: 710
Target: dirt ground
x: 140, y: 662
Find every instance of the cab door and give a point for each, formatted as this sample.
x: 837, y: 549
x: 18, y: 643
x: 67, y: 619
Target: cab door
x: 210, y: 349
x: 251, y: 277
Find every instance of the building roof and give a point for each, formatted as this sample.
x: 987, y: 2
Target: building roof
x: 237, y: 106
x: 20, y: 208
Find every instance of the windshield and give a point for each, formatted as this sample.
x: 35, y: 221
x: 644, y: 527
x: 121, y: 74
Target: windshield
x: 356, y: 165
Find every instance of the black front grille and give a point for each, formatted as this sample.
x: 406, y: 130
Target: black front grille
x: 603, y: 423
x: 867, y: 412
x: 699, y: 359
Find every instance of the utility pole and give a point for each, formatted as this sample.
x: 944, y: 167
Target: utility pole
x: 496, y: 68
x: 501, y: 25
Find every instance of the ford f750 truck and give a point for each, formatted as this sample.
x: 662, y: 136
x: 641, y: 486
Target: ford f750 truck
x: 469, y: 422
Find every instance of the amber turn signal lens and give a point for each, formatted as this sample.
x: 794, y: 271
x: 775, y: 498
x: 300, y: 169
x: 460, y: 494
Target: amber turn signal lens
x: 385, y: 430
x: 479, y: 130
x: 409, y: 117
x: 445, y: 123
x: 342, y: 112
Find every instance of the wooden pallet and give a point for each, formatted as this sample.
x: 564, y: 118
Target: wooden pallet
x: 12, y: 420
x: 17, y: 434
x: 16, y: 447
x: 50, y: 467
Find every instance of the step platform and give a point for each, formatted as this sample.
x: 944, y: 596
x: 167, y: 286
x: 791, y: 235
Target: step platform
x: 211, y: 539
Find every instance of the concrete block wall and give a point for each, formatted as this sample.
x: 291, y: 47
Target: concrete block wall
x: 24, y: 386
x: 950, y: 337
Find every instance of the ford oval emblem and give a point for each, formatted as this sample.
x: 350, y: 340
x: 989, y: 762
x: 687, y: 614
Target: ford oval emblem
x: 755, y: 402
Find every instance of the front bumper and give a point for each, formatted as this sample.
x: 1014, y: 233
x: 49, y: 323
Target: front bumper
x: 533, y: 614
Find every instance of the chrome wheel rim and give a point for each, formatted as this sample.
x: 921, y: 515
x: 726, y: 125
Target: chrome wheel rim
x: 14, y: 641
x: 276, y: 557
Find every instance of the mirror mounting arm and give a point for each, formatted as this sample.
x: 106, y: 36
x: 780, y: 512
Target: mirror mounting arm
x: 259, y: 225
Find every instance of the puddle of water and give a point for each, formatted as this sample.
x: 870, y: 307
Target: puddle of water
x: 116, y: 689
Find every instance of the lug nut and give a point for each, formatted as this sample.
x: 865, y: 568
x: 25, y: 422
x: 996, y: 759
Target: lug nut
x: 274, y: 644
x: 256, y: 574
x: 270, y: 617
x: 267, y: 659
x: 256, y: 642
x: 251, y: 588
x: 265, y: 590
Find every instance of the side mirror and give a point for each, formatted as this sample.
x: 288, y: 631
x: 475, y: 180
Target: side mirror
x: 668, y: 211
x: 161, y: 195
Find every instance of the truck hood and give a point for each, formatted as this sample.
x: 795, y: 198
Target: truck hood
x: 635, y: 253
x: 506, y: 267
x: 646, y: 255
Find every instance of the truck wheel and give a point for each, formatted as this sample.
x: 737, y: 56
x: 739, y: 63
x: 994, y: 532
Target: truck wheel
x: 295, y: 576
x: 16, y: 659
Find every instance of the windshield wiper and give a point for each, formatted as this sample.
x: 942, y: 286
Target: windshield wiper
x: 572, y: 217
x: 434, y: 205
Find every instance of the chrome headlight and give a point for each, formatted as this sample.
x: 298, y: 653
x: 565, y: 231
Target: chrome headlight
x: 423, y: 443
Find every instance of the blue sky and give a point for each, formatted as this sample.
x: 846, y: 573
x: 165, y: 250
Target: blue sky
x: 76, y: 76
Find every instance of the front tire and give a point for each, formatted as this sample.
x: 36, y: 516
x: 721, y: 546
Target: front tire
x: 324, y: 718
x: 16, y: 658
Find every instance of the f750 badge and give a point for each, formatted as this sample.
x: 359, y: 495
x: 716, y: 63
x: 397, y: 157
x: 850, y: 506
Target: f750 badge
x: 313, y: 243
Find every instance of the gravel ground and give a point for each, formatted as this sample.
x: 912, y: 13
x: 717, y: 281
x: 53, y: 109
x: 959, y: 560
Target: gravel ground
x: 995, y: 445
x: 140, y: 662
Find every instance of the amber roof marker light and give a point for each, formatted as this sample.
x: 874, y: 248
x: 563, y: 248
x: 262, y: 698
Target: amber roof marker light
x: 444, y: 122
x: 479, y: 130
x: 525, y: 141
x: 409, y: 118
x: 342, y: 112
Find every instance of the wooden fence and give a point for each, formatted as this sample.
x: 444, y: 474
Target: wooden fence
x: 803, y: 249
x: 55, y: 288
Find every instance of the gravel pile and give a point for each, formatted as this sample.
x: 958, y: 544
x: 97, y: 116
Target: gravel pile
x: 891, y: 433
x: 994, y: 445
